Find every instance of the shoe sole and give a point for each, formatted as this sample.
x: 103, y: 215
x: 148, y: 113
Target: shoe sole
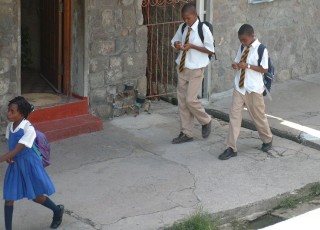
x: 62, y: 208
x: 182, y: 141
x: 207, y: 134
x: 227, y: 158
x: 267, y: 149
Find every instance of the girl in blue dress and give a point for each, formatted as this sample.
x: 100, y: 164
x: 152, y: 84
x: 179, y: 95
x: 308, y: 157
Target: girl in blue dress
x: 25, y: 176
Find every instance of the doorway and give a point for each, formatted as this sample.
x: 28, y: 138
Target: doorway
x: 45, y: 46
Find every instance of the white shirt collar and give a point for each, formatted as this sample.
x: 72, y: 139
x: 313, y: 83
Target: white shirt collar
x: 195, y: 25
x: 255, y: 43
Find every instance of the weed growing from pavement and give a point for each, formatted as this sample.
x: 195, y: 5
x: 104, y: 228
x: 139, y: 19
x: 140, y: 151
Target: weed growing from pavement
x: 239, y: 225
x: 293, y: 201
x: 290, y: 202
x: 200, y: 220
x: 315, y: 190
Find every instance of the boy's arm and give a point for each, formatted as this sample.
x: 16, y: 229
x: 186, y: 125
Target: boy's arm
x: 177, y: 39
x: 263, y: 68
x: 199, y: 48
x: 208, y: 47
x: 12, y: 153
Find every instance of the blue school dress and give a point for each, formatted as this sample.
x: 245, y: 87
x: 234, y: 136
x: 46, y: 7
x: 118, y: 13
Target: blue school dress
x: 26, y: 177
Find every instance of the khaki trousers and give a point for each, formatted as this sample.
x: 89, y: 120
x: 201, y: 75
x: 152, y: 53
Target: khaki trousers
x: 254, y: 102
x: 189, y: 82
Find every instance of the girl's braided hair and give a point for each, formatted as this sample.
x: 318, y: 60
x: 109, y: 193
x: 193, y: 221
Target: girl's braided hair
x: 24, y: 107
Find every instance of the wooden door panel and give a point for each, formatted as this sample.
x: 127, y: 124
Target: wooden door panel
x: 51, y: 42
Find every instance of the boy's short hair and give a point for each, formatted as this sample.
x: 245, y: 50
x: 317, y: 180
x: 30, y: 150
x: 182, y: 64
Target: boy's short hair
x: 246, y: 29
x: 189, y: 7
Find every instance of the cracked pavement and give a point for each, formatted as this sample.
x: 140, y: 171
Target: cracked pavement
x: 130, y: 176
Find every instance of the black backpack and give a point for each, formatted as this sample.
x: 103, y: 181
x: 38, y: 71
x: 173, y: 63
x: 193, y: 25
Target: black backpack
x: 200, y: 32
x: 268, y: 76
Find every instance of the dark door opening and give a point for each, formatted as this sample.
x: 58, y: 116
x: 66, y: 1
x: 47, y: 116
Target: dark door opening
x: 45, y: 46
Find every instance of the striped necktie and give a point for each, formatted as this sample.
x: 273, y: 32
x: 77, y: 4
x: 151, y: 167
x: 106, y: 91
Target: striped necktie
x: 184, y: 54
x: 243, y: 71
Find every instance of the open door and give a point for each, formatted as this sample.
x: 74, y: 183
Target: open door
x: 55, y: 43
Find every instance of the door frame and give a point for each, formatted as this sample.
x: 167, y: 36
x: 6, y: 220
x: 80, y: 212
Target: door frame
x: 206, y: 9
x: 66, y: 49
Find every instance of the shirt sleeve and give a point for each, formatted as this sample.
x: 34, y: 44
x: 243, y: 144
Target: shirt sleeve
x: 264, y: 61
x: 208, y: 38
x: 177, y: 36
x: 238, y: 56
x: 29, y: 135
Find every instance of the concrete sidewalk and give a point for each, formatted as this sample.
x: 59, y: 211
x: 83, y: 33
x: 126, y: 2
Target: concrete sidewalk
x: 130, y: 176
x: 293, y: 112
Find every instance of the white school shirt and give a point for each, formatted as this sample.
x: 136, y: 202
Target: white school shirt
x: 195, y: 59
x: 29, y: 132
x: 253, y: 81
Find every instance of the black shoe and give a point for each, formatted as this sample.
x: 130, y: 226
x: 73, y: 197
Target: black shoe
x: 57, y: 219
x: 227, y: 154
x: 266, y: 146
x: 182, y: 138
x: 206, y: 130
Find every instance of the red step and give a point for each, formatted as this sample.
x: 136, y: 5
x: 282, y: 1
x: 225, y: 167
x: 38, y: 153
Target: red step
x: 66, y: 120
x: 68, y: 127
x: 57, y: 112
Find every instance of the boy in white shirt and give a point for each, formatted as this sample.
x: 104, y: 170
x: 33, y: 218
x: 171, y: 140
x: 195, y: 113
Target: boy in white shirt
x: 192, y: 60
x: 248, y: 92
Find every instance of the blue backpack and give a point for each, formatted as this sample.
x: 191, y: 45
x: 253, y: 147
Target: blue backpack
x: 268, y: 76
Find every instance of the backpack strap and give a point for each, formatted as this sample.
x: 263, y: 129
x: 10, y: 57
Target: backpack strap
x: 261, y: 49
x: 200, y: 30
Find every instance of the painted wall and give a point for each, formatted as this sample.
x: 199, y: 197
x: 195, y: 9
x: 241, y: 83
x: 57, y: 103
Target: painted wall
x: 77, y: 41
x: 289, y: 28
x: 9, y: 56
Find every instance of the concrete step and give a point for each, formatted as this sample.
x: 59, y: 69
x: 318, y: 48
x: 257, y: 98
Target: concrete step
x: 70, y: 126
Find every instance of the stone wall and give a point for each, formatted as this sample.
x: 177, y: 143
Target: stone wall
x: 289, y: 28
x: 117, y: 50
x: 9, y: 53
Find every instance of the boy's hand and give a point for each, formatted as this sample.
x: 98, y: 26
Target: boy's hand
x: 187, y: 46
x: 235, y: 66
x: 178, y: 45
x: 242, y: 65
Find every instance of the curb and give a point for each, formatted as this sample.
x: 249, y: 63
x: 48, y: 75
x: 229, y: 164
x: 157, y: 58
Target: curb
x: 260, y: 208
x: 248, y: 124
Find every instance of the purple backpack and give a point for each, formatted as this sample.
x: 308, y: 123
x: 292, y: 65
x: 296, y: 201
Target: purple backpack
x: 42, y: 147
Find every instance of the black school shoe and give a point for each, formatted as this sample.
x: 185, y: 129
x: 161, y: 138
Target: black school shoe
x: 227, y: 154
x: 182, y: 138
x: 266, y: 146
x: 57, y: 219
x: 206, y: 130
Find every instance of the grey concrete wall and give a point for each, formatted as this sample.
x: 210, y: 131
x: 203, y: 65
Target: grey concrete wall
x: 77, y: 60
x: 117, y: 50
x: 289, y: 28
x: 9, y: 56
